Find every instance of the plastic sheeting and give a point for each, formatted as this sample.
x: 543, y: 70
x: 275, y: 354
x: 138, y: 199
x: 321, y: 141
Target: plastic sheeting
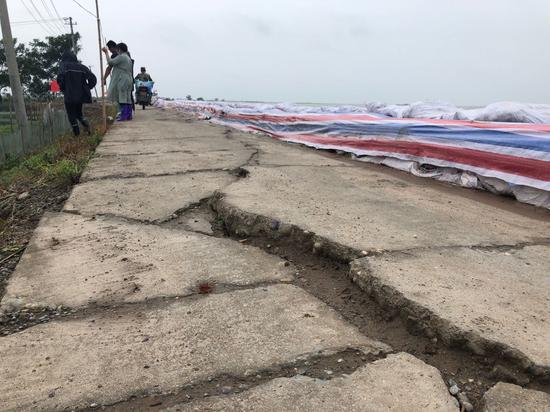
x: 497, y: 112
x: 425, y: 139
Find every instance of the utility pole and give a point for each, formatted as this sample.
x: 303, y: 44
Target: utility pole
x: 15, y: 81
x: 104, y: 108
x: 71, y: 23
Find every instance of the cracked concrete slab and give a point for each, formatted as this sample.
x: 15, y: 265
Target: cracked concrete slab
x: 142, y: 132
x: 493, y: 298
x: 102, y: 167
x: 109, y: 356
x: 398, y: 383
x: 274, y: 153
x: 199, y: 154
x: 74, y: 262
x: 505, y: 397
x: 369, y: 210
x: 145, y: 198
x: 184, y: 144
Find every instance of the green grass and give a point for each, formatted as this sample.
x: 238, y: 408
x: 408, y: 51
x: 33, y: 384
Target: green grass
x: 6, y: 129
x: 62, y: 161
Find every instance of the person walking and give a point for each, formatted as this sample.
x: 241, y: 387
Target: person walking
x: 122, y: 80
x: 76, y: 82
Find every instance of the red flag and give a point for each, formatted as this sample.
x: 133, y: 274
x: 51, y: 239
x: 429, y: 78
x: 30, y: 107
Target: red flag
x: 54, y: 87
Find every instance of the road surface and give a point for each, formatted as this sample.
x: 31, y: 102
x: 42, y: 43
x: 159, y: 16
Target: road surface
x: 193, y: 267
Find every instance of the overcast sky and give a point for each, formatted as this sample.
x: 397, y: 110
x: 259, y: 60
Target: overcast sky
x: 467, y: 52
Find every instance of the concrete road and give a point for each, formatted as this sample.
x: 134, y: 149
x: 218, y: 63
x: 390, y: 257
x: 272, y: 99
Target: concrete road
x: 166, y: 300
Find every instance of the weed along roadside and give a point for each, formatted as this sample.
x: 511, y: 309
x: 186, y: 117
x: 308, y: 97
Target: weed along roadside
x: 37, y: 183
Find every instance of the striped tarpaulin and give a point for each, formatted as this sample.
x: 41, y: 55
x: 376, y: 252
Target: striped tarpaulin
x: 517, y: 153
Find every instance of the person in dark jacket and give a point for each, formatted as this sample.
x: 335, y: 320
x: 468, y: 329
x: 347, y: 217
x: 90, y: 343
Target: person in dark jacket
x: 75, y: 81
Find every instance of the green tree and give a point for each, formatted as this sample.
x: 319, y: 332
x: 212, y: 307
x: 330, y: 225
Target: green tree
x: 42, y: 62
x: 20, y: 51
x: 38, y: 63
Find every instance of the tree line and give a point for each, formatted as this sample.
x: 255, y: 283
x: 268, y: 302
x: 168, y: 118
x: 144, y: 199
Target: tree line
x: 38, y: 63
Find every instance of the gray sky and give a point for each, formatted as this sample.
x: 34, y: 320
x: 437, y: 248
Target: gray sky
x: 466, y: 52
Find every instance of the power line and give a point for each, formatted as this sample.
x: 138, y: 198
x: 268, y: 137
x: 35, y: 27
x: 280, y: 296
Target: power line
x: 46, y: 28
x: 42, y: 17
x: 55, y: 11
x: 23, y: 22
x: 84, y: 8
x: 51, y: 16
x: 34, y: 18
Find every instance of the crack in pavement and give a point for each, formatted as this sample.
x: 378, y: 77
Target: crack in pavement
x: 274, y: 166
x: 249, y: 225
x: 176, y: 214
x: 430, y: 324
x: 118, y: 142
x: 234, y: 171
x: 143, y: 153
x: 253, y: 158
x: 182, y: 211
x: 17, y: 321
x: 246, y: 224
x: 481, y: 247
x: 324, y: 365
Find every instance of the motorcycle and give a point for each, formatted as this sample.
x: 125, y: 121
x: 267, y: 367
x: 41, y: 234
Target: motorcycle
x: 144, y: 93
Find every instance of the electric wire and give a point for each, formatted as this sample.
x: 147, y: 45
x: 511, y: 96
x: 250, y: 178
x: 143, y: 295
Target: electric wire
x: 26, y: 22
x: 54, y: 29
x: 84, y: 8
x: 57, y: 13
x: 46, y: 29
x: 51, y: 17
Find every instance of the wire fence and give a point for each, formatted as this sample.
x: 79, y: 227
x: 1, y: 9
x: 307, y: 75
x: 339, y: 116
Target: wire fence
x: 47, y: 121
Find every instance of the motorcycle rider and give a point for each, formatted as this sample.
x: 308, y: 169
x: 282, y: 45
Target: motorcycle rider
x: 144, y: 76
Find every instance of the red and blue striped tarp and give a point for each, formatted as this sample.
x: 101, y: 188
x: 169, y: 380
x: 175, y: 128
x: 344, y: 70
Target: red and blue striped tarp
x: 517, y: 153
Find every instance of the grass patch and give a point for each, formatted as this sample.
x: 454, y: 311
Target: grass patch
x: 7, y: 129
x: 59, y: 163
x: 64, y: 160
